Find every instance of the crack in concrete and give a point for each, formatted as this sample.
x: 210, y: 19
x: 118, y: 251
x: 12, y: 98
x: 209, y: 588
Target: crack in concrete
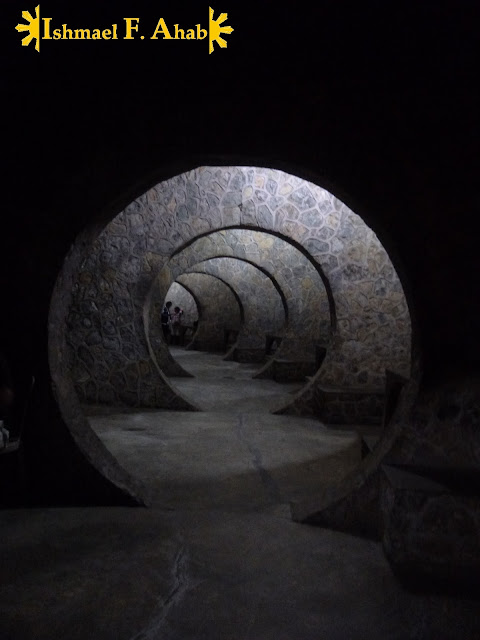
x: 268, y: 482
x: 181, y: 584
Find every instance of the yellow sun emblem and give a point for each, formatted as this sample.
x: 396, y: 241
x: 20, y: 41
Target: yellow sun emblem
x: 215, y: 30
x: 33, y: 28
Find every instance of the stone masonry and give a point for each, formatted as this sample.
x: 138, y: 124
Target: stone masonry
x: 260, y: 300
x: 108, y: 327
x: 212, y: 293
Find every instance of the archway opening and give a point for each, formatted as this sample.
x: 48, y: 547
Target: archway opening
x: 109, y: 323
x: 259, y: 300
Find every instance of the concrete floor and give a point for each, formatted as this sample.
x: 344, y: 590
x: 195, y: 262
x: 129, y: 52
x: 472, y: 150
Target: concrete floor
x: 216, y: 556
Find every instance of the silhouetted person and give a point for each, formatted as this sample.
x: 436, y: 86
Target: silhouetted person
x: 176, y: 322
x: 166, y: 321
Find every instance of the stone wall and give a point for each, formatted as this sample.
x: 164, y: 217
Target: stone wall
x: 308, y: 321
x: 263, y: 310
x: 305, y: 298
x: 108, y: 356
x: 108, y: 321
x: 444, y: 427
x: 218, y: 307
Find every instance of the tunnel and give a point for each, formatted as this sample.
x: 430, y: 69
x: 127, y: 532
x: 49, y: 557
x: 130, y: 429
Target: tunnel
x: 368, y: 117
x: 109, y: 351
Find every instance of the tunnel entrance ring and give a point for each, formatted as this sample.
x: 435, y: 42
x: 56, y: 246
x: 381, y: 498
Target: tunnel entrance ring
x: 198, y: 201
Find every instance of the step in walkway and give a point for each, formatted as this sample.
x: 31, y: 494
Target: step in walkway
x: 234, y: 452
x: 217, y: 555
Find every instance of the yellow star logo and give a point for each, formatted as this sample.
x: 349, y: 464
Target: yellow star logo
x: 215, y: 30
x: 33, y: 28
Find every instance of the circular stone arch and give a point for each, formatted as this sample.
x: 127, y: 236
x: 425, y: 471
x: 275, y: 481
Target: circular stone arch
x: 162, y: 283
x: 286, y: 239
x: 373, y: 325
x: 236, y: 316
x: 291, y: 269
x: 160, y: 286
x: 66, y: 284
x: 252, y: 281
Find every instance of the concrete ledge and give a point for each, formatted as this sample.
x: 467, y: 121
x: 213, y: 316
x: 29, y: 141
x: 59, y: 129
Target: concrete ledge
x: 349, y: 405
x: 368, y: 444
x: 287, y: 370
x: 350, y: 506
x: 431, y: 531
x: 334, y: 405
x: 272, y: 343
x: 284, y: 370
x: 230, y: 336
x: 353, y: 504
x: 204, y: 345
x: 246, y: 355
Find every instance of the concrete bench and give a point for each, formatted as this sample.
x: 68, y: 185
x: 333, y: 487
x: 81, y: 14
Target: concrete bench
x: 431, y: 515
x: 230, y: 337
x: 186, y: 332
x: 341, y: 405
x: 368, y: 443
x: 272, y: 342
x: 245, y: 354
x: 320, y: 353
x: 288, y: 370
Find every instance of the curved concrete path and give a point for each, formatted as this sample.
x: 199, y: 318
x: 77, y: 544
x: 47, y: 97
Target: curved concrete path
x: 217, y: 556
x: 234, y: 453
